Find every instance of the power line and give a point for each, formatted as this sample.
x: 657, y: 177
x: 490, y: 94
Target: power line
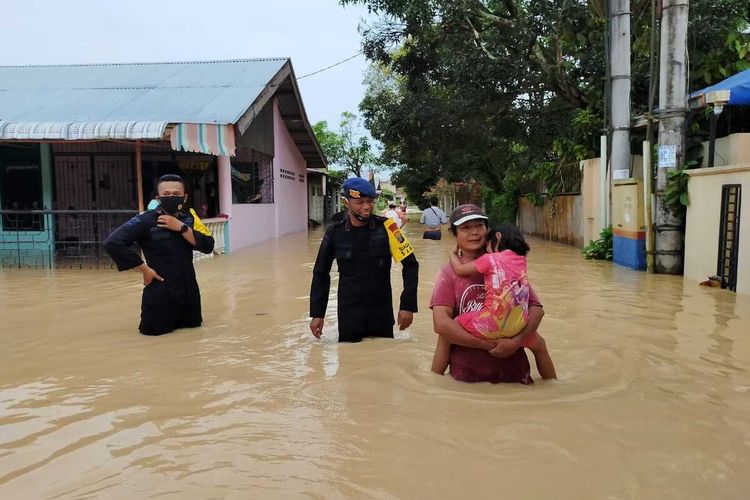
x: 331, y: 66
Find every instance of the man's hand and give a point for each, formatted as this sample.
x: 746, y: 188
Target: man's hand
x: 505, y: 347
x: 404, y: 319
x: 316, y: 327
x: 149, y: 275
x: 169, y: 222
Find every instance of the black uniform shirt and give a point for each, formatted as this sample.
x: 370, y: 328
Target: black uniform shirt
x: 363, y: 258
x: 167, y: 252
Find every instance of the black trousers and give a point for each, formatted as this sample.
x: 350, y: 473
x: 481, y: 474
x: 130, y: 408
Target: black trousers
x: 359, y: 336
x: 164, y: 309
x: 435, y: 234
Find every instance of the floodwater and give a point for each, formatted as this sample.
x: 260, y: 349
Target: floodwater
x: 653, y: 399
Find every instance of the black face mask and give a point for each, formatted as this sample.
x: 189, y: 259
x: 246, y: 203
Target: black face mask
x: 360, y: 218
x: 172, y: 204
x: 357, y: 215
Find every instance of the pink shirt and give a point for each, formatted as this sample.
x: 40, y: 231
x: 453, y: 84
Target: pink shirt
x: 506, y: 302
x: 465, y: 294
x: 500, y: 269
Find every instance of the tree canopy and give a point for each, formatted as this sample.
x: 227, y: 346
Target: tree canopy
x: 346, y: 149
x: 510, y: 92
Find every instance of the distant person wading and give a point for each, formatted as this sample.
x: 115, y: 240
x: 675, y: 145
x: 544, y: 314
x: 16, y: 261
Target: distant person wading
x: 433, y: 219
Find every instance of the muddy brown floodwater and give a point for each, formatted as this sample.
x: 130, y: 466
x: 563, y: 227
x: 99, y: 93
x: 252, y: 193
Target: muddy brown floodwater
x: 653, y: 399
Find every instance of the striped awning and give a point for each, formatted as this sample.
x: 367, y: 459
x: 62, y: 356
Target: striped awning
x: 207, y: 138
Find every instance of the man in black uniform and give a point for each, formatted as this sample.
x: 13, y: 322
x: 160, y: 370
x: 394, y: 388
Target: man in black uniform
x: 359, y: 244
x: 167, y: 235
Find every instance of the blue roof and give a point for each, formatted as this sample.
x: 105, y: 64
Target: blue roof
x: 738, y: 86
x: 177, y: 92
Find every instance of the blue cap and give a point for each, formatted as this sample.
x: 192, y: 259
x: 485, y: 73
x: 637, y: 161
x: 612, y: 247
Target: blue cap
x: 357, y: 187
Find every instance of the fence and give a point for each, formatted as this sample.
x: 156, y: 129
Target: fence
x: 558, y: 219
x: 67, y: 238
x: 566, y: 178
x: 570, y: 176
x: 218, y: 231
x: 57, y: 238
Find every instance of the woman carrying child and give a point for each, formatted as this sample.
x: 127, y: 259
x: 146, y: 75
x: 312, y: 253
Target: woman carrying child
x: 476, y: 358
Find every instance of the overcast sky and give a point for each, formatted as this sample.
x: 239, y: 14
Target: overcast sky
x: 314, y: 33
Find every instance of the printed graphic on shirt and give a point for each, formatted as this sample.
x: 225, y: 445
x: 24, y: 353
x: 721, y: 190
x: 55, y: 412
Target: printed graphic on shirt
x: 504, y: 311
x: 506, y: 308
x: 472, y: 299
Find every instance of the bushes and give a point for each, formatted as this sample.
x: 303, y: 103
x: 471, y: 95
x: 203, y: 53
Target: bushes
x: 500, y: 207
x: 600, y: 249
x: 676, y: 192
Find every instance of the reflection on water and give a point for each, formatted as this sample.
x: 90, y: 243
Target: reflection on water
x: 652, y: 402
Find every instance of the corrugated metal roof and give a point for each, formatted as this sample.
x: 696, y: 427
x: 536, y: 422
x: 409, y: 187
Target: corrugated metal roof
x: 179, y: 92
x: 81, y: 131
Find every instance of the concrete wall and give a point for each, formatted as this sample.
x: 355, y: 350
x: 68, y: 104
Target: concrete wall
x: 251, y: 224
x: 591, y: 223
x: 559, y: 219
x: 290, y: 180
x: 733, y: 149
x: 703, y: 220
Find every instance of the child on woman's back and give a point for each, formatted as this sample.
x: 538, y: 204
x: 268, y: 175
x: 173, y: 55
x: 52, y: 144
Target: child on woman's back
x: 506, y: 302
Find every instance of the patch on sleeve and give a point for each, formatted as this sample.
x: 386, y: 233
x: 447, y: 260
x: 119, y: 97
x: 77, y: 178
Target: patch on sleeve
x: 198, y: 225
x: 400, y: 246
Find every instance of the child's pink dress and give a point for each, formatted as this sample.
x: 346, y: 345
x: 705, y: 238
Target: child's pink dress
x: 506, y: 303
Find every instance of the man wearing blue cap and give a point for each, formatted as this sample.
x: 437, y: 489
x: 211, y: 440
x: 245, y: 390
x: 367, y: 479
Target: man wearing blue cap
x: 359, y: 243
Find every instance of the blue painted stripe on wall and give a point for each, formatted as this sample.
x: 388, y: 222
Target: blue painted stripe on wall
x: 629, y: 252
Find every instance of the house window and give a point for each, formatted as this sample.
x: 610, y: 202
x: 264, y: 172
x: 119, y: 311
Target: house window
x: 21, y: 190
x: 252, y: 182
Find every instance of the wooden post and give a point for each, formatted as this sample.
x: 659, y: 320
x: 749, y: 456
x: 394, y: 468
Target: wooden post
x: 648, y: 173
x: 139, y: 175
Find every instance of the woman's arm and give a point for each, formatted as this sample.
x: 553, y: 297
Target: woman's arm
x: 460, y: 268
x: 446, y: 327
x: 441, y: 358
x: 507, y: 346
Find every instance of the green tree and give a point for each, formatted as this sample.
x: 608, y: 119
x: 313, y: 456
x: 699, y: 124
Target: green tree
x: 357, y: 151
x: 330, y: 142
x: 348, y: 149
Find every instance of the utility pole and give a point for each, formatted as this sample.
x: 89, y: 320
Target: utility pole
x: 672, y: 112
x: 619, y: 32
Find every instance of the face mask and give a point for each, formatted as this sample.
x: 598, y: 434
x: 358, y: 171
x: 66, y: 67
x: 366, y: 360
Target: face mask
x: 171, y: 204
x: 360, y: 218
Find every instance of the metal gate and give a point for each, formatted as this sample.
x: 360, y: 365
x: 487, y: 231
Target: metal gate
x: 729, y: 235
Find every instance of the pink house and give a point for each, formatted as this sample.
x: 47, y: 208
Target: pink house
x: 92, y: 145
x: 287, y: 213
